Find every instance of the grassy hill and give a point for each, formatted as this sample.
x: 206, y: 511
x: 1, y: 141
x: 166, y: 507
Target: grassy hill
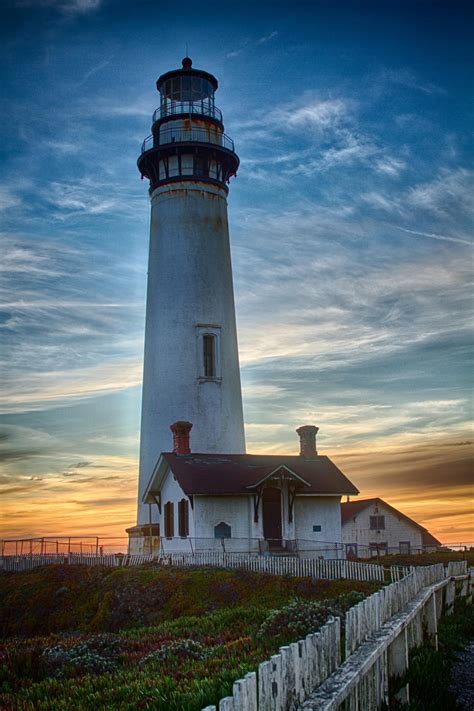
x: 149, y: 638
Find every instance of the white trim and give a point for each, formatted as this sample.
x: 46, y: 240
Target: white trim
x: 280, y: 466
x: 204, y: 329
x: 156, y: 477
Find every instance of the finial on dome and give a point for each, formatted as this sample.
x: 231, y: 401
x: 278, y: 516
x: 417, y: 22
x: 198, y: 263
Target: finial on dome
x: 187, y: 63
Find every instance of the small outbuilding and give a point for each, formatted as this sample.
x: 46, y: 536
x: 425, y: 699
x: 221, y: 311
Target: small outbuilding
x: 372, y: 527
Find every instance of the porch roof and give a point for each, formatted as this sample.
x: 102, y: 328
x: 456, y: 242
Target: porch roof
x: 240, y: 473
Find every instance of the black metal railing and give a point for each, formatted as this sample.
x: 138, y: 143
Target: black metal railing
x: 202, y: 108
x: 181, y: 135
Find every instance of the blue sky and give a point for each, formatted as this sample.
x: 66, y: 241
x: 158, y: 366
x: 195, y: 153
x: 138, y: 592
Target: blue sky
x: 350, y: 218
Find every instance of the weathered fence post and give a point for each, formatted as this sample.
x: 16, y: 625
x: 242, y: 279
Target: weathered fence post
x: 431, y: 620
x: 398, y: 664
x: 449, y: 597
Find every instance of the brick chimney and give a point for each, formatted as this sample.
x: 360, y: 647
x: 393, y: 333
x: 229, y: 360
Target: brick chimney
x: 181, y: 432
x: 307, y: 435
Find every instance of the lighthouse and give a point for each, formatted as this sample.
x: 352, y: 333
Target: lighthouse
x: 191, y: 364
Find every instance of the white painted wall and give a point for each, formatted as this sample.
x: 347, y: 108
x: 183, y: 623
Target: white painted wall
x: 397, y: 529
x: 324, y: 511
x: 171, y: 491
x: 236, y: 511
x: 189, y: 284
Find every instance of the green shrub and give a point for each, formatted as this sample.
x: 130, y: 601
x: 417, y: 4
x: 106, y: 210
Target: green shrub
x: 301, y: 617
x: 180, y: 649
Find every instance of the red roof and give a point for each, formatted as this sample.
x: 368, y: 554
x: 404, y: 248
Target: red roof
x: 240, y: 473
x: 349, y: 509
x: 429, y: 540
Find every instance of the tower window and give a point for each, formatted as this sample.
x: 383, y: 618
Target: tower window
x: 208, y: 351
x: 201, y: 167
x: 209, y: 354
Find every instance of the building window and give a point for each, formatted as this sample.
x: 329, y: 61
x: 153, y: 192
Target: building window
x: 351, y: 550
x: 377, y: 523
x: 169, y: 519
x: 222, y: 530
x: 201, y: 167
x: 208, y: 343
x: 378, y: 549
x: 183, y: 518
x: 316, y: 528
x: 209, y: 355
x: 405, y: 547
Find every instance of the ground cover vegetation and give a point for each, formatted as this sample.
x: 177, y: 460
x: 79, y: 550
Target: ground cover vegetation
x: 148, y: 638
x: 443, y: 557
x: 432, y: 687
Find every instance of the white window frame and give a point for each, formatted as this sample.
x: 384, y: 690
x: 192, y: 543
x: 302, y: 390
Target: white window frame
x: 205, y: 329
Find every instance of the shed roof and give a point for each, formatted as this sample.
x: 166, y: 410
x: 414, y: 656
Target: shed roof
x: 241, y: 473
x: 349, y: 509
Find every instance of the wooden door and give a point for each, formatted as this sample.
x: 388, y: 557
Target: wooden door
x: 271, y: 503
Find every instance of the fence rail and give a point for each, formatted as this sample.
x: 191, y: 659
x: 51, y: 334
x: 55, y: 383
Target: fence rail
x: 271, y: 564
x: 308, y: 675
x: 281, y: 565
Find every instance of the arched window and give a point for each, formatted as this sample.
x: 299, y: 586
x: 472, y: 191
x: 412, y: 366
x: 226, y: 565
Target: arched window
x: 183, y: 518
x: 209, y: 355
x: 169, y: 519
x: 222, y: 530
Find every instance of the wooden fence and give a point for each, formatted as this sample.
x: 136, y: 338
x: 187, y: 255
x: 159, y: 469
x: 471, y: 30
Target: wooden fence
x: 379, y: 632
x: 281, y: 565
x: 275, y: 565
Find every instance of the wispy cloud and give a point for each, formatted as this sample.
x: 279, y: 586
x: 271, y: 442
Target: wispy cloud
x: 431, y: 235
x: 452, y: 190
x: 407, y: 78
x: 67, y: 7
x: 8, y: 198
x: 60, y: 344
x: 323, y: 114
x: 251, y: 43
x: 266, y: 38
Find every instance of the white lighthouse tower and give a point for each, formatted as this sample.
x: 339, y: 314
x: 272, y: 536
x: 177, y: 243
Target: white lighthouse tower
x: 191, y: 365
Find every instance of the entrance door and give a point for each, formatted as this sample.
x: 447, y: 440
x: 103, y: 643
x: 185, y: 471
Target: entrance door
x: 271, y: 504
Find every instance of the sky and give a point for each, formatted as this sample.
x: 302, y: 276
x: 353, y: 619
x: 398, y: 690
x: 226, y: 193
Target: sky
x: 351, y: 230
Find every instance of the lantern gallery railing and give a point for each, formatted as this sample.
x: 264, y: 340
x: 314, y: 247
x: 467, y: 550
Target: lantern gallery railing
x: 173, y: 108
x: 181, y: 135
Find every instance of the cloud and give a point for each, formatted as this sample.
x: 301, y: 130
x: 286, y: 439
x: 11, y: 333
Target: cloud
x: 431, y: 235
x: 40, y: 391
x: 267, y: 38
x: 390, y: 166
x: 67, y: 7
x: 264, y: 39
x: 406, y: 78
x: 8, y: 198
x: 65, y: 335
x: 452, y: 190
x: 323, y: 113
x: 19, y: 443
x: 80, y: 197
x: 379, y: 201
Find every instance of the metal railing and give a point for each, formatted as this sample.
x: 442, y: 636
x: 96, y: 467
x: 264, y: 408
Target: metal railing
x: 187, y: 107
x: 181, y: 135
x: 63, y: 545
